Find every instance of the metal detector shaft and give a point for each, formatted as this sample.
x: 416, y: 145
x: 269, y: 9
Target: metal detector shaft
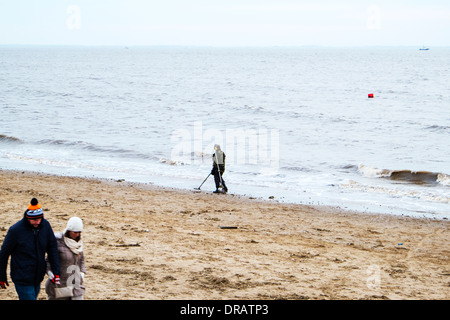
x: 203, y: 182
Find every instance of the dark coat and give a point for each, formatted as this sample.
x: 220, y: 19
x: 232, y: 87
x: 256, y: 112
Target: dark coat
x: 27, y: 247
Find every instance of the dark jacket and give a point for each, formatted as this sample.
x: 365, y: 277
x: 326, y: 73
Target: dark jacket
x: 27, y: 247
x: 220, y: 161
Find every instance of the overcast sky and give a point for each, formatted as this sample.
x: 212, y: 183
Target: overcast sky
x: 226, y: 22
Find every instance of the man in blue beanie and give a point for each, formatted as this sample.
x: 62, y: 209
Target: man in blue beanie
x: 27, y: 242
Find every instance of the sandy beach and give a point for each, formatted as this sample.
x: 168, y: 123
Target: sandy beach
x: 144, y: 242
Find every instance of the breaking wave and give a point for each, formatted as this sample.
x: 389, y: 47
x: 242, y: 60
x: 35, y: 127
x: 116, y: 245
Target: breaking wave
x: 444, y: 179
x: 171, y: 162
x: 4, y: 138
x: 437, y: 128
x: 416, y: 177
x: 101, y: 150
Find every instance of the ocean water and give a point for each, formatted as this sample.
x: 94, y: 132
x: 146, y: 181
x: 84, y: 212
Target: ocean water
x: 296, y: 123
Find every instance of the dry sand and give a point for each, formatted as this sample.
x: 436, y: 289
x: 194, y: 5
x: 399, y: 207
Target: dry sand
x: 144, y: 242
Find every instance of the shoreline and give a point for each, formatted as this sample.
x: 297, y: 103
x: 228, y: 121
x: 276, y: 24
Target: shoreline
x: 267, y: 197
x: 145, y: 242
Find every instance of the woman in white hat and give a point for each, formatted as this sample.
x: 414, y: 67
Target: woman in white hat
x: 71, y: 259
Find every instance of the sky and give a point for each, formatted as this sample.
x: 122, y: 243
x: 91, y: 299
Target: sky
x: 226, y: 22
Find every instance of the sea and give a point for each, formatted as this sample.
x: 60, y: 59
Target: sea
x: 297, y: 124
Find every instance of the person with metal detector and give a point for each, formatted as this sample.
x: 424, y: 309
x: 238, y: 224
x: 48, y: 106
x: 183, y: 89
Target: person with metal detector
x: 218, y: 169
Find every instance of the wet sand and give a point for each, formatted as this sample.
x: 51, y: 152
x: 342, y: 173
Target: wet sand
x: 144, y: 242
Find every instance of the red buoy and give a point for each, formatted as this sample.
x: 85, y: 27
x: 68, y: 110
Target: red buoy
x: 370, y: 95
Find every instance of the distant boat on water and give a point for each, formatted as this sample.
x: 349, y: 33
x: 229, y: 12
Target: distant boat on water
x: 424, y: 48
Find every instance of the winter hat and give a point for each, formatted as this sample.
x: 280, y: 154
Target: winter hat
x: 74, y: 224
x: 34, y: 210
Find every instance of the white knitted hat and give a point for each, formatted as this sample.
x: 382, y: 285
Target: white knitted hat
x: 74, y: 224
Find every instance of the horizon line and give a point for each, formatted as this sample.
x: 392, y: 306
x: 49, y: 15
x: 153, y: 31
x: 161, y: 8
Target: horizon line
x: 220, y: 46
